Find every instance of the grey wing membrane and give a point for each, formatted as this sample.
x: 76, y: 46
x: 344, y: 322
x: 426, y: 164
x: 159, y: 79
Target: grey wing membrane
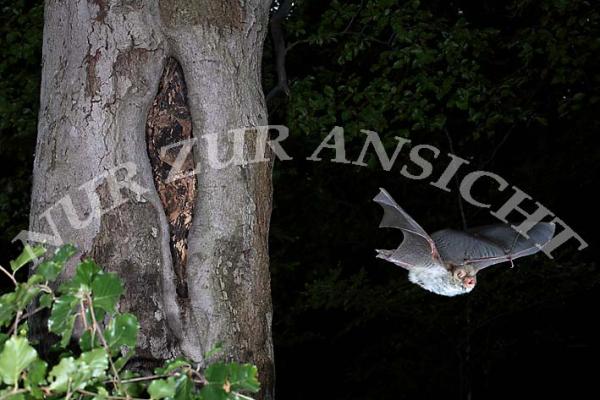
x: 417, y: 249
x: 491, y: 244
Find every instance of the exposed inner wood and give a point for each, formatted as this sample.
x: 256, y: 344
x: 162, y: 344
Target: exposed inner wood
x: 169, y: 121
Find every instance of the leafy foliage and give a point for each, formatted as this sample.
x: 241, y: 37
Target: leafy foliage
x: 95, y: 369
x: 412, y: 66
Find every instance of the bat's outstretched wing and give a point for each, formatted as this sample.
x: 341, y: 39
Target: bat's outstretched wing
x: 417, y: 249
x: 491, y: 244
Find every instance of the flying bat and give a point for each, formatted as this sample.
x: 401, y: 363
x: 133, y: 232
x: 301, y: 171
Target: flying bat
x: 447, y: 262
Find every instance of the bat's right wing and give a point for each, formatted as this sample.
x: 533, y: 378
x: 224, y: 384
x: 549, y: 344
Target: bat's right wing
x: 417, y: 249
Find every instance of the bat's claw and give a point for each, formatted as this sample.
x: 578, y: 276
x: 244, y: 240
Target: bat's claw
x: 384, y: 254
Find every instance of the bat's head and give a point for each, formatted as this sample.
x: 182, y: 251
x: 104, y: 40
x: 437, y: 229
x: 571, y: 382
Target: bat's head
x: 465, y: 276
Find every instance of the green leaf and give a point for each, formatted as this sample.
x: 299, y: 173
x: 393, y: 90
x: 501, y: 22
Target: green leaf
x: 213, y: 392
x: 133, y: 389
x: 184, y: 388
x: 102, y: 394
x: 122, y: 331
x: 49, y: 270
x: 35, y: 279
x: 60, y: 375
x: 107, y: 289
x: 85, y: 273
x: 62, y: 317
x: 123, y: 360
x: 46, y: 300
x: 243, y: 378
x: 85, y: 341
x: 98, y: 313
x: 36, y: 393
x: 7, y: 308
x: 92, y: 364
x: 37, y: 373
x: 15, y: 357
x: 27, y: 255
x: 25, y: 293
x: 6, y: 394
x: 215, y: 350
x: 63, y: 254
x: 216, y: 373
x: 172, y: 365
x: 71, y: 374
x: 229, y: 378
x: 161, y: 388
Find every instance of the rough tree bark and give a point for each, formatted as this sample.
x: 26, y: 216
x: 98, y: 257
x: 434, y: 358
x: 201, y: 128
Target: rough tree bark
x: 102, y: 65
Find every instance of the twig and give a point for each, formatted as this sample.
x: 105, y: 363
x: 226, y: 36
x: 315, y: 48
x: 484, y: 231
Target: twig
x: 296, y: 43
x: 117, y: 379
x: 83, y: 318
x: 12, y: 393
x: 11, y: 276
x: 334, y: 34
x: 512, y: 128
x: 142, y: 378
x: 29, y: 314
x: 242, y: 396
x: 360, y: 8
x: 87, y: 393
x: 15, y: 326
x: 503, y: 140
x: 460, y: 203
x: 198, y: 374
x: 45, y: 288
x: 500, y: 144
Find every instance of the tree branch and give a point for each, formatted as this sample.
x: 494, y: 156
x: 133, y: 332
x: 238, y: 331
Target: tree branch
x: 116, y: 378
x: 11, y: 276
x: 280, y: 49
x: 459, y: 196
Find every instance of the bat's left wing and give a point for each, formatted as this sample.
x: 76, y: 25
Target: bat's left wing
x: 491, y: 244
x: 417, y: 249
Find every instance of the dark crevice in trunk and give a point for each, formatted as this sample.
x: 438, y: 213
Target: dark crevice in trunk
x: 169, y: 122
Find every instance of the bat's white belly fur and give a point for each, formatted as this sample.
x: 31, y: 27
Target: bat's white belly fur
x: 437, y: 280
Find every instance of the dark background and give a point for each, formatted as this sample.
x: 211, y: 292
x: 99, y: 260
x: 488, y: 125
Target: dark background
x: 511, y: 86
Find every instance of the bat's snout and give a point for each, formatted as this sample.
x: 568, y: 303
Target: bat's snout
x: 469, y: 281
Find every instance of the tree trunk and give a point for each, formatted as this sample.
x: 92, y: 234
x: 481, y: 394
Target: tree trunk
x: 112, y: 95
